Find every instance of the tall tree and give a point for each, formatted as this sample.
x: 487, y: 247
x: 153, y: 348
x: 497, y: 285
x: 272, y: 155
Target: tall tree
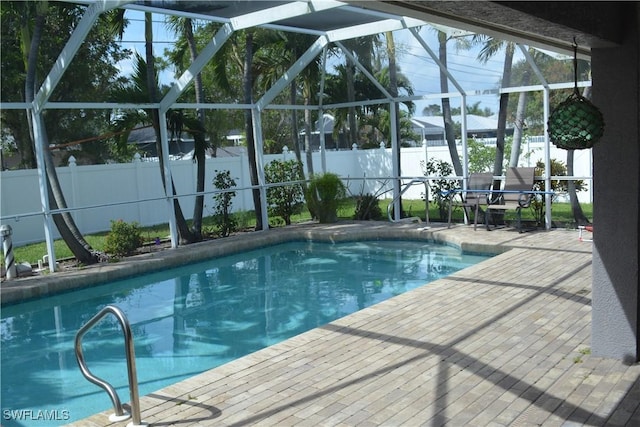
x: 372, y: 118
x: 87, y: 78
x: 474, y: 109
x: 393, y: 89
x: 184, y: 27
x: 554, y: 70
x: 242, y: 55
x: 64, y: 221
x: 184, y: 233
x: 432, y: 110
x: 519, y: 123
x: 491, y: 47
x: 281, y: 55
x: 247, y: 88
x: 362, y: 49
x: 446, y: 106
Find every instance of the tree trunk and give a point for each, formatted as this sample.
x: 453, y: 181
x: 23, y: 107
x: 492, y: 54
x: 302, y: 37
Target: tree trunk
x: 64, y: 222
x: 307, y: 136
x: 502, y: 114
x: 446, y: 107
x: 393, y: 91
x: 200, y: 143
x: 247, y: 84
x: 518, y: 130
x: 294, y: 131
x: 296, y: 144
x: 185, y: 235
x: 351, y: 97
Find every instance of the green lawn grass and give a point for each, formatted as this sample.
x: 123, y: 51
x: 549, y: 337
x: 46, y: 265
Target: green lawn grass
x: 560, y: 212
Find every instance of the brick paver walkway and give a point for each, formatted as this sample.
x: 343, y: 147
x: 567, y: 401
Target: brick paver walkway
x: 505, y: 342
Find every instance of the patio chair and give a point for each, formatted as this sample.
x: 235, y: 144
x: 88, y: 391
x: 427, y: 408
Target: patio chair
x: 517, y: 193
x: 478, y: 189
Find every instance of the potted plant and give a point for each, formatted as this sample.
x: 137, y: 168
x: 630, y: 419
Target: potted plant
x: 325, y: 194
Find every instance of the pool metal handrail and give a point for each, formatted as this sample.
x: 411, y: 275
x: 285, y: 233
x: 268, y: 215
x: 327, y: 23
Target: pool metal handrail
x: 407, y: 186
x: 120, y: 413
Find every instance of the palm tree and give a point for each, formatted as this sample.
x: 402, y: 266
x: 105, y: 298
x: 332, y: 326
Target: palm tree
x: 446, y: 106
x: 243, y: 55
x: 64, y: 222
x: 136, y: 90
x: 184, y: 233
x: 299, y: 43
x: 474, y: 109
x: 284, y: 50
x: 184, y: 27
x: 247, y: 88
x: 490, y: 48
x: 402, y: 86
x: 553, y: 70
x: 363, y: 49
x: 310, y: 78
x: 519, y: 123
x: 334, y: 90
x: 393, y: 91
x: 144, y: 87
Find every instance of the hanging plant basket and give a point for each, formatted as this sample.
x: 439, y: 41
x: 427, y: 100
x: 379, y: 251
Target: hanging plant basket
x: 575, y: 124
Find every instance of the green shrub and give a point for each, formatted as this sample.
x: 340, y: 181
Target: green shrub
x: 441, y: 189
x: 285, y: 200
x: 223, y: 220
x: 123, y: 239
x: 367, y: 208
x: 558, y: 168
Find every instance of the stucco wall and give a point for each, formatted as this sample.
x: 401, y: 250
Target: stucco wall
x: 616, y: 82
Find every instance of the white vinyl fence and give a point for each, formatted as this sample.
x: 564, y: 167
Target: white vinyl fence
x: 133, y: 191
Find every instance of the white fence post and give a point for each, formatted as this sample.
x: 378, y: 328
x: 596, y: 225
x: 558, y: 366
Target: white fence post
x: 244, y: 178
x: 137, y: 164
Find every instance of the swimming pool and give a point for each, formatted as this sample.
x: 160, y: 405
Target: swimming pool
x: 190, y: 319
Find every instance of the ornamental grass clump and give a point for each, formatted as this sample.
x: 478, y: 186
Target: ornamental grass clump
x: 325, y: 194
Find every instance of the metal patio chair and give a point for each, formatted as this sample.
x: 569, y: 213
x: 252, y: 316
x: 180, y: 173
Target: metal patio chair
x: 475, y: 195
x: 517, y: 193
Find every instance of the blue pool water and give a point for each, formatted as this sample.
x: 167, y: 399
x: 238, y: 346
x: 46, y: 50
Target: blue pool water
x: 194, y: 318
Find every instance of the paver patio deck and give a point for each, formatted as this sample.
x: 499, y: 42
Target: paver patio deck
x: 505, y: 342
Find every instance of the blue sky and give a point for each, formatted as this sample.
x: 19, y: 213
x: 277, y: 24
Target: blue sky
x: 424, y: 74
x: 414, y: 62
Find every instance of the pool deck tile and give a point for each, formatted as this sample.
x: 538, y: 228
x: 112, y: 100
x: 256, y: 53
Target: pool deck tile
x: 504, y: 342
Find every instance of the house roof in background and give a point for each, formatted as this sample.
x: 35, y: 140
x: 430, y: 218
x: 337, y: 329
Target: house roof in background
x: 435, y: 124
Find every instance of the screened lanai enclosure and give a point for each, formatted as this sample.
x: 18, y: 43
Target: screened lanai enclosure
x: 605, y: 33
x: 369, y: 69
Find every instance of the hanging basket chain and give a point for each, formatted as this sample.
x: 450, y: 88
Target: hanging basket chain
x: 575, y: 67
x: 576, y: 123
